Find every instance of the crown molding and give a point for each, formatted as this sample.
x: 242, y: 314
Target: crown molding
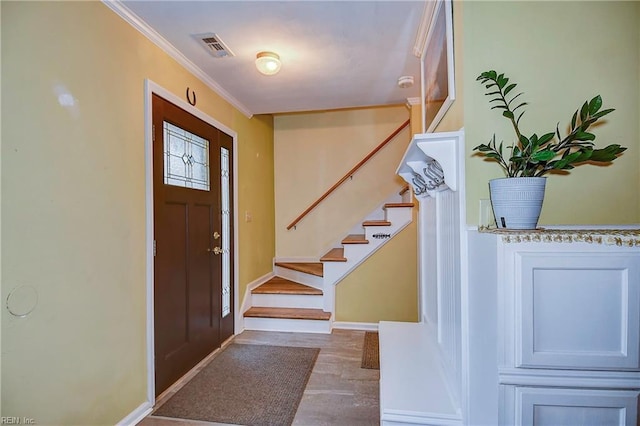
x: 137, y: 23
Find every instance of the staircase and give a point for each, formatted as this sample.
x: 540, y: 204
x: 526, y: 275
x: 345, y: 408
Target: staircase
x: 301, y: 295
x: 282, y: 304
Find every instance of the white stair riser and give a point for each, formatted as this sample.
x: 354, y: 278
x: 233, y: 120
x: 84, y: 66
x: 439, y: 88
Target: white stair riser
x: 287, y: 301
x: 358, y: 251
x: 370, y: 231
x: 299, y: 277
x: 398, y: 214
x: 287, y: 325
x: 396, y: 225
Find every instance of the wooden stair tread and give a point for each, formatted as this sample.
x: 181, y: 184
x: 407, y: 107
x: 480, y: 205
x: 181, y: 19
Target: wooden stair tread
x: 355, y: 239
x: 334, y: 255
x: 279, y: 285
x: 404, y: 190
x: 391, y: 205
x: 313, y: 268
x: 288, y: 313
x: 376, y: 223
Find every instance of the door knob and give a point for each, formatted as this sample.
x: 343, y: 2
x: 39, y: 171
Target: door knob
x: 215, y: 250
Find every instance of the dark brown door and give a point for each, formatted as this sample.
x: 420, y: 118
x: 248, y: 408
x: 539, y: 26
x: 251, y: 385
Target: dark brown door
x: 192, y: 267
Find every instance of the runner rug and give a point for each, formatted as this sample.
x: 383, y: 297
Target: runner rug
x: 246, y: 385
x: 371, y: 351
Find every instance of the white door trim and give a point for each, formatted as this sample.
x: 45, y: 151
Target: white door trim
x: 149, y: 89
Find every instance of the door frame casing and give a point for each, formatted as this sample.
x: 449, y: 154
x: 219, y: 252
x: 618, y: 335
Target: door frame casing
x: 151, y: 88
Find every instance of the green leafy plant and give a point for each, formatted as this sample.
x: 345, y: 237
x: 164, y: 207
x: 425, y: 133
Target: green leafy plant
x: 535, y: 156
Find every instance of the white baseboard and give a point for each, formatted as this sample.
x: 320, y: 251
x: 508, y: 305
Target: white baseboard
x: 246, y: 301
x: 365, y: 326
x: 137, y: 415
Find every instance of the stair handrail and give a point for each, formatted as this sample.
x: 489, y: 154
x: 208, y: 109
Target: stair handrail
x: 349, y: 173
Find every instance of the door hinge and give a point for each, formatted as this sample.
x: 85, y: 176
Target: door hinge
x: 154, y: 247
x: 153, y: 132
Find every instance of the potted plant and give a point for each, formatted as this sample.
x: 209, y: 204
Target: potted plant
x: 517, y: 198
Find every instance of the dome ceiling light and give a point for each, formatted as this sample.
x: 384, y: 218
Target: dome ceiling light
x: 405, y: 81
x: 268, y: 63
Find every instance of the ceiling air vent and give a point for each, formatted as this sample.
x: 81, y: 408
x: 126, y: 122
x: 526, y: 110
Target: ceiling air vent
x: 214, y: 45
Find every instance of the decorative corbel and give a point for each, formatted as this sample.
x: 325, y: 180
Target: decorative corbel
x: 430, y: 163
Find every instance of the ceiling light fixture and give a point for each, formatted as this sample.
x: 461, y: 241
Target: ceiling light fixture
x: 405, y: 81
x: 268, y: 63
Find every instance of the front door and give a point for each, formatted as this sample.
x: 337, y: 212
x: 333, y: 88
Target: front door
x: 193, y: 234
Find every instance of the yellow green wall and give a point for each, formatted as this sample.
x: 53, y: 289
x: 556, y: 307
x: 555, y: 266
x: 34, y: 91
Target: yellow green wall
x: 73, y: 206
x: 560, y: 54
x: 256, y: 244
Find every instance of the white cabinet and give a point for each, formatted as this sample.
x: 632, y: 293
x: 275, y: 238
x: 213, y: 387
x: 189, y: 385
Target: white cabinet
x: 568, y: 327
x: 516, y: 328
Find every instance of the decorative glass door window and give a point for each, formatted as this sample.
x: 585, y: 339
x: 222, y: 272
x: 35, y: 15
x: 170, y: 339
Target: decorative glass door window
x: 226, y: 232
x: 186, y: 158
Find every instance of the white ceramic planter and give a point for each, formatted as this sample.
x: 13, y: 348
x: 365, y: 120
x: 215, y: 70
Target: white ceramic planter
x: 517, y: 202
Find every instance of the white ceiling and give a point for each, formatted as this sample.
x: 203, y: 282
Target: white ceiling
x: 335, y: 54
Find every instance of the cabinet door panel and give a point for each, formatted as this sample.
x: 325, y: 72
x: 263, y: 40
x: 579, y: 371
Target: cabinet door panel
x: 577, y: 311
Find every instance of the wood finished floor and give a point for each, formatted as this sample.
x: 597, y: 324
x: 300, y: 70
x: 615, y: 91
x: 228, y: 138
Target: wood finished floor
x: 339, y: 392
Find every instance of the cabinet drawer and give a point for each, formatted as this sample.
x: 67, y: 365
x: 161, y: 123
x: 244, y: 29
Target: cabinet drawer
x: 560, y: 406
